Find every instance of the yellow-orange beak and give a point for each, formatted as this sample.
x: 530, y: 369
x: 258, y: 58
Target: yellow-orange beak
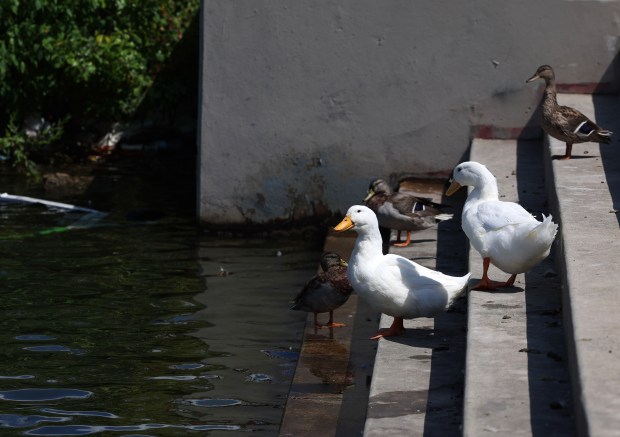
x: 369, y: 195
x: 453, y: 188
x: 533, y: 78
x: 344, y: 225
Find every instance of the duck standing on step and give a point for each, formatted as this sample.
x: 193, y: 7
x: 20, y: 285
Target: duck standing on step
x: 504, y: 233
x: 402, y: 211
x: 392, y: 284
x: 326, y: 291
x: 563, y: 122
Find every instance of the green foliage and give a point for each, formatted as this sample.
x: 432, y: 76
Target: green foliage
x: 17, y: 145
x: 87, y: 59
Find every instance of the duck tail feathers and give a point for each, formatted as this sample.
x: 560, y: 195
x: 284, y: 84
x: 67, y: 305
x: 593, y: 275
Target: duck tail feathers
x: 604, y: 136
x: 459, y: 290
x: 547, y: 229
x: 442, y: 217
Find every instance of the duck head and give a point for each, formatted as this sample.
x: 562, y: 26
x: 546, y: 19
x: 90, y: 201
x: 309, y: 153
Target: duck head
x: 468, y: 173
x: 544, y: 72
x: 330, y: 260
x: 377, y: 186
x: 358, y: 217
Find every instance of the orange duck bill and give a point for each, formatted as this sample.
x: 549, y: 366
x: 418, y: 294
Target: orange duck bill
x: 344, y: 225
x: 453, y: 188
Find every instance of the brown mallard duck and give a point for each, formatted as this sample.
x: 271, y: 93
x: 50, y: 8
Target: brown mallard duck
x: 326, y: 291
x: 563, y: 122
x: 402, y: 211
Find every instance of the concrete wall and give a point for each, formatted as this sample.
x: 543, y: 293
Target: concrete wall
x: 304, y: 102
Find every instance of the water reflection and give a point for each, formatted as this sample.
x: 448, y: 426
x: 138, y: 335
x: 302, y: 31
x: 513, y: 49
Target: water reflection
x: 132, y: 329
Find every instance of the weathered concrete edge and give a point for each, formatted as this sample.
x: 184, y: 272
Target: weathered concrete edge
x: 562, y: 263
x: 591, y: 410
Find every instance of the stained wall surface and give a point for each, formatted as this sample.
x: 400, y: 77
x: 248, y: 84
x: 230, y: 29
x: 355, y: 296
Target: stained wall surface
x: 304, y: 102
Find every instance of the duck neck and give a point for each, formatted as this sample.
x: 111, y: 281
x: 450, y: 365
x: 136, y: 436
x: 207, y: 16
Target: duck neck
x: 369, y: 244
x: 484, y: 190
x: 550, y: 102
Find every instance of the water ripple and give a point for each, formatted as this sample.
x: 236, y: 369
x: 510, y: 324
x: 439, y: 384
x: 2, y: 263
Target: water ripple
x: 212, y: 403
x: 175, y: 377
x: 18, y: 421
x: 54, y: 348
x: 17, y: 377
x: 69, y: 430
x: 80, y: 413
x: 35, y: 337
x: 187, y: 366
x: 43, y: 394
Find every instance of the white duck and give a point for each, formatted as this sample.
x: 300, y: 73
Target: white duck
x: 504, y: 233
x: 391, y: 283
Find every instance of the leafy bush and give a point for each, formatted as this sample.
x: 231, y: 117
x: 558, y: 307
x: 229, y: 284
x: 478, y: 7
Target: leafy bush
x: 82, y: 59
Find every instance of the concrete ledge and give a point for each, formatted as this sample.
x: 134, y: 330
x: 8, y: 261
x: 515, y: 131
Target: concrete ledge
x: 586, y: 195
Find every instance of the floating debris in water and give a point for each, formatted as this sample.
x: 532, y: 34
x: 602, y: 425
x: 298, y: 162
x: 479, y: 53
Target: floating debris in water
x: 212, y: 403
x: 258, y: 377
x: 223, y: 272
x: 281, y: 354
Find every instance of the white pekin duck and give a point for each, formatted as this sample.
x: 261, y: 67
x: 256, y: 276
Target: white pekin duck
x: 391, y: 283
x: 504, y: 233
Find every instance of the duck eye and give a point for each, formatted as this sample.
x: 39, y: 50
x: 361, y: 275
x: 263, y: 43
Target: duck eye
x: 459, y: 169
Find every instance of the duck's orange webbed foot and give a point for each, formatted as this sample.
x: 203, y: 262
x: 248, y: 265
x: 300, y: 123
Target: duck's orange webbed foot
x: 396, y: 328
x: 486, y: 284
x: 330, y: 325
x: 567, y: 153
x: 405, y: 243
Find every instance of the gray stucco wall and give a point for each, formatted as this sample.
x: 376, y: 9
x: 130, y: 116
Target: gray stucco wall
x: 303, y: 102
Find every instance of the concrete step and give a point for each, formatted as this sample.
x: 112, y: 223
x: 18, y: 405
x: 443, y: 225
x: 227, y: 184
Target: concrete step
x: 329, y: 390
x: 585, y: 195
x: 516, y: 377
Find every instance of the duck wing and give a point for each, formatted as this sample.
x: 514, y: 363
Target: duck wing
x: 313, y: 287
x: 572, y: 122
x: 495, y: 215
x: 411, y: 205
x: 398, y: 269
x: 423, y: 292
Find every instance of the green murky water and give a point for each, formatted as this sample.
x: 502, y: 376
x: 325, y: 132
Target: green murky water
x: 144, y: 328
